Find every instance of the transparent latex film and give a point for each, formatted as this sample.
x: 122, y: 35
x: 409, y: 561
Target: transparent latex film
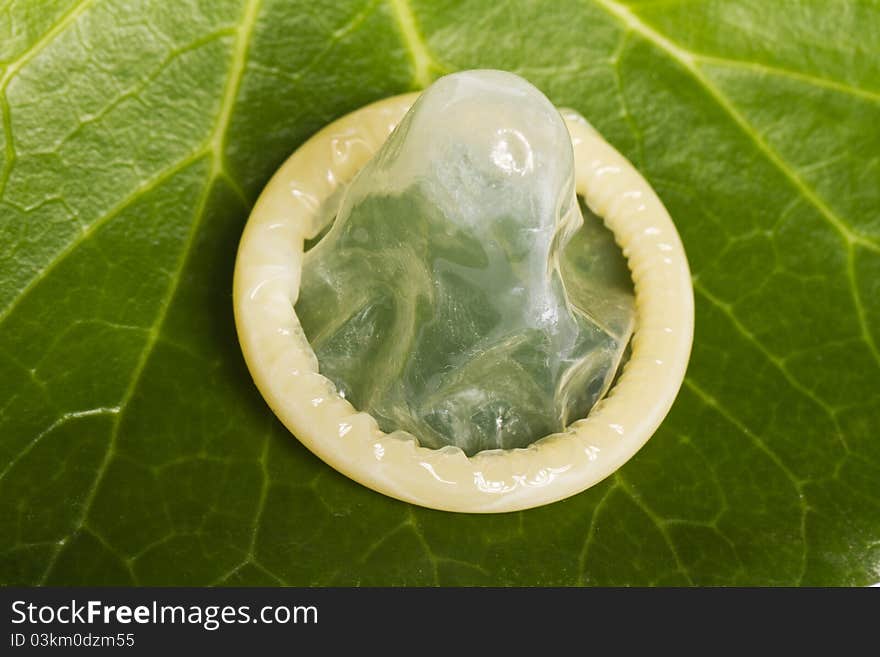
x: 458, y: 295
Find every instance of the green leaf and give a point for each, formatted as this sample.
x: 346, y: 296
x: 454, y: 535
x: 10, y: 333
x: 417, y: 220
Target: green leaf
x: 134, y: 447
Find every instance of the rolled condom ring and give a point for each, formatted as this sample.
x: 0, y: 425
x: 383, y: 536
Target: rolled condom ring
x: 293, y: 209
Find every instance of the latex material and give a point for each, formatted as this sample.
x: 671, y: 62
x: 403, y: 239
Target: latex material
x: 284, y: 366
x: 436, y: 302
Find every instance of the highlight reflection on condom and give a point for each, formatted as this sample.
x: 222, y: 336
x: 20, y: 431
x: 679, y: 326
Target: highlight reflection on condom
x: 443, y: 303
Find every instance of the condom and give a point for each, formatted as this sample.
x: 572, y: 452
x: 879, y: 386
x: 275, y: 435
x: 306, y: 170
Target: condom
x: 419, y: 296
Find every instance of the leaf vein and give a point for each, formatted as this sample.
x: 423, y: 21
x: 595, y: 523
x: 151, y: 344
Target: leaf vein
x: 780, y: 72
x: 592, y: 529
x: 218, y: 141
x: 423, y: 62
x: 63, y: 419
x: 774, y: 360
x: 147, y: 186
x: 688, y: 61
x: 64, y: 21
x: 798, y: 484
x: 658, y: 523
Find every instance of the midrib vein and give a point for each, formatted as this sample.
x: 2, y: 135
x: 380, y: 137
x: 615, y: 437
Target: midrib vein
x: 421, y: 58
x: 236, y: 73
x: 217, y: 143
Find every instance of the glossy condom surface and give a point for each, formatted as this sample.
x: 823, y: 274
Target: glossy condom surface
x: 436, y: 302
x: 284, y: 366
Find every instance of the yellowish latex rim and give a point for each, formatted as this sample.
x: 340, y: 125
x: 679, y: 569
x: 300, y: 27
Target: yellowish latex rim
x: 284, y: 367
